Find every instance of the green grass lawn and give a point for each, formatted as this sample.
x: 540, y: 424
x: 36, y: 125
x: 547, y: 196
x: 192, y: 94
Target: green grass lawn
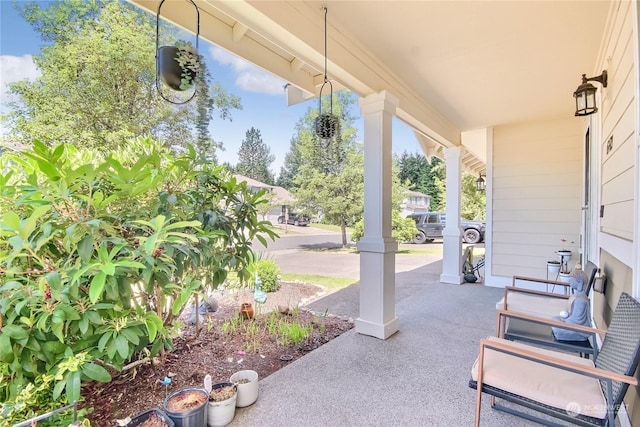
x: 330, y: 227
x: 333, y: 283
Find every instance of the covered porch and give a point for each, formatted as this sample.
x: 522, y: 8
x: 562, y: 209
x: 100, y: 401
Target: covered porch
x: 487, y: 86
x: 411, y: 379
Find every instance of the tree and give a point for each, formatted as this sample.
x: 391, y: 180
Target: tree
x: 255, y: 158
x: 97, y: 86
x: 473, y: 201
x: 330, y: 181
x: 424, y: 176
x: 339, y: 197
x: 292, y: 161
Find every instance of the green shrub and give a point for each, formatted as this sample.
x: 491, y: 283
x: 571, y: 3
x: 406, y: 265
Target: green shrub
x: 100, y: 254
x: 269, y: 274
x: 402, y: 229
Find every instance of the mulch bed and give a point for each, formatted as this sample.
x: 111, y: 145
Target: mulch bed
x: 217, y: 350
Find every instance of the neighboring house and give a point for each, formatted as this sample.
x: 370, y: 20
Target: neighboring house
x: 281, y: 198
x: 489, y: 96
x: 415, y: 202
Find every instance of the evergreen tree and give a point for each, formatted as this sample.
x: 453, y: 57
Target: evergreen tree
x: 425, y: 176
x: 255, y: 158
x: 291, y: 166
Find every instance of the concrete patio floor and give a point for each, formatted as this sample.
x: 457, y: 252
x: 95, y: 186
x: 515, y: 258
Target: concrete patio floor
x: 417, y: 377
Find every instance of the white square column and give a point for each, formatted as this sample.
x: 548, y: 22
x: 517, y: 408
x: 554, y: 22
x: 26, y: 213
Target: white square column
x: 377, y: 247
x: 452, y: 235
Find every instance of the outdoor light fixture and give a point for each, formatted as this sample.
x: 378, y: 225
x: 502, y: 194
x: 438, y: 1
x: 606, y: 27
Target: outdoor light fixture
x: 327, y: 125
x: 585, y: 95
x: 480, y: 183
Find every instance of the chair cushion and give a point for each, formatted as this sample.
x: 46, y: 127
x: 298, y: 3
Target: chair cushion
x: 534, y: 305
x: 542, y: 383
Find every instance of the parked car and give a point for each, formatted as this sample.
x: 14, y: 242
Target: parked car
x: 431, y: 224
x: 295, y: 219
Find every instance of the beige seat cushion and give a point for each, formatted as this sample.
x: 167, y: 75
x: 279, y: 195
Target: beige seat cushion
x: 542, y: 383
x: 534, y: 305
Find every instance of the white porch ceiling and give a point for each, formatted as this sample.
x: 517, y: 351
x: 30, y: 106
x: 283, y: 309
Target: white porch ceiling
x: 454, y: 65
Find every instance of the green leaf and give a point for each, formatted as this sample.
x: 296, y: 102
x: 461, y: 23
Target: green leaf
x: 131, y: 264
x: 58, y: 389
x: 122, y: 345
x: 83, y: 324
x: 57, y: 325
x: 6, y: 350
x: 96, y: 372
x: 27, y: 226
x: 15, y: 332
x: 109, y: 269
x: 73, y: 386
x: 104, y: 340
x: 85, y: 248
x: 153, y: 323
x: 97, y: 286
x: 12, y: 220
x: 70, y: 313
x: 131, y: 335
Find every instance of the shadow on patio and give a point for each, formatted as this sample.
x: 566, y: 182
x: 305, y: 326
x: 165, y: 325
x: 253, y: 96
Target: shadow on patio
x: 417, y: 377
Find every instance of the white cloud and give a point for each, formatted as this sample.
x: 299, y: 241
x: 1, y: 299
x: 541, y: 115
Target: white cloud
x: 14, y: 69
x: 248, y: 76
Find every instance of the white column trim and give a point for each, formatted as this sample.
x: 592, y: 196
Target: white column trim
x: 452, y: 234
x: 377, y: 247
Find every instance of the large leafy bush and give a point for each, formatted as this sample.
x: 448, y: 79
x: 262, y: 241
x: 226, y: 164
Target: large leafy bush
x: 402, y: 229
x: 99, y: 255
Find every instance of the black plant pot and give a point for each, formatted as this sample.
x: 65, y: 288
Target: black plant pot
x: 470, y: 278
x: 144, y: 416
x: 169, y: 69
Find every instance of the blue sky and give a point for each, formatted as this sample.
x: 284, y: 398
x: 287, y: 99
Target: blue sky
x: 262, y: 94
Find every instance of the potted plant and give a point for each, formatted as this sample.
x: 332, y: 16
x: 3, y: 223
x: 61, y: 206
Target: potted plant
x: 246, y: 310
x: 222, y: 404
x: 247, y: 383
x: 178, y: 65
x: 151, y: 418
x: 187, y: 407
x: 327, y: 125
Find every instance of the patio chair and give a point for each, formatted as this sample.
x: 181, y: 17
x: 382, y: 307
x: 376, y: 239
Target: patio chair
x: 563, y: 386
x: 540, y: 303
x: 515, y: 326
x: 521, y: 305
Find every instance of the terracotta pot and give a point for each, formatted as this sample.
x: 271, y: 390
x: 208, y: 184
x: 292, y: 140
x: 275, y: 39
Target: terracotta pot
x: 246, y: 310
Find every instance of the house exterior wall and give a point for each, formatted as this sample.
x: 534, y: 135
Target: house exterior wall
x: 619, y: 122
x: 535, y: 198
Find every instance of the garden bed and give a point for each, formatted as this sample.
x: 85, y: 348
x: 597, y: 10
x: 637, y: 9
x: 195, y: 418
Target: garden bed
x: 225, y: 345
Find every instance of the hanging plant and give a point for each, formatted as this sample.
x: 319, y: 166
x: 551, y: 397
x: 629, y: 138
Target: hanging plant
x: 327, y: 125
x: 177, y: 66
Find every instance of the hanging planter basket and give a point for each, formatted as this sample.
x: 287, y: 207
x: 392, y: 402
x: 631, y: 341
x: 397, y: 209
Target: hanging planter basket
x: 177, y: 66
x: 326, y: 125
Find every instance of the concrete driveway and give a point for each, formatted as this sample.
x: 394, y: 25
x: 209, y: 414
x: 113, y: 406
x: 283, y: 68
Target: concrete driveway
x: 320, y: 256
